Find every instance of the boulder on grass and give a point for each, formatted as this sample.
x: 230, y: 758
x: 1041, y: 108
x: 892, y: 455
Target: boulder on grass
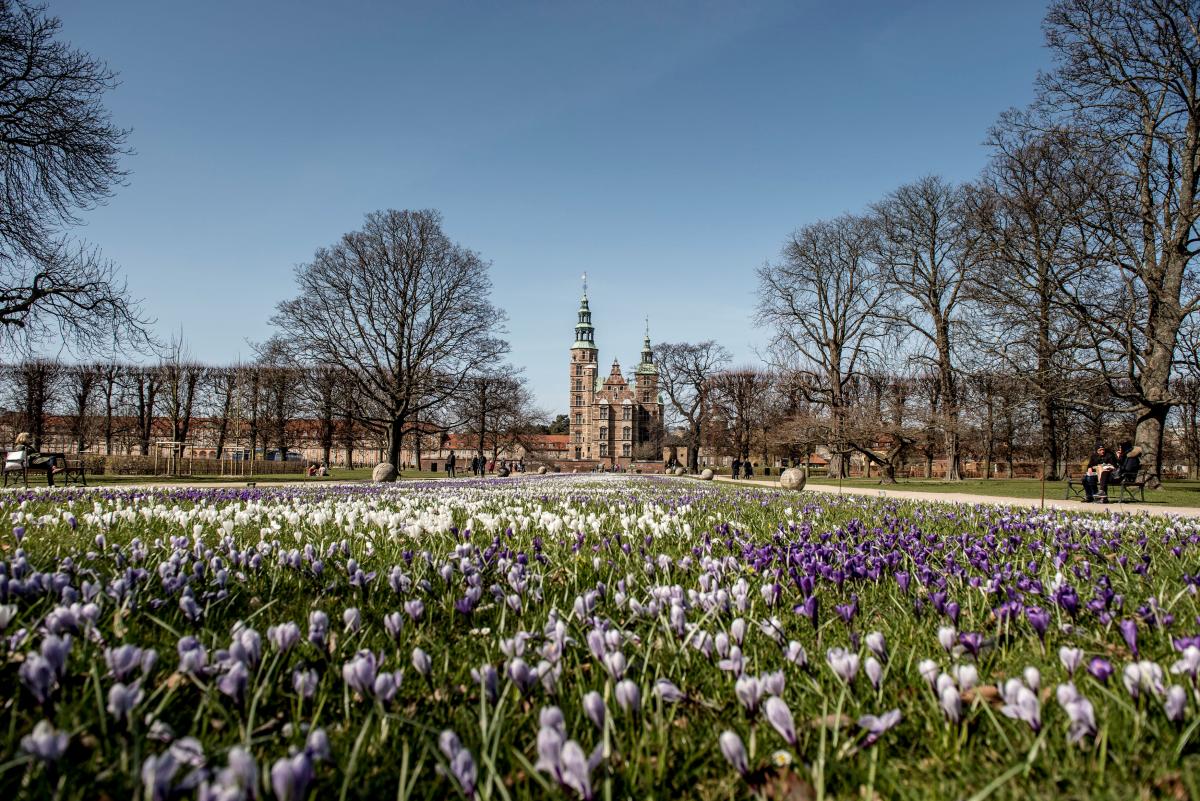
x: 502, y: 472
x: 707, y: 475
x: 383, y: 472
x: 542, y: 470
x: 679, y: 471
x: 794, y: 478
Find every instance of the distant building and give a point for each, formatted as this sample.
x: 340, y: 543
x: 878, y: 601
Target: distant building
x: 613, y: 421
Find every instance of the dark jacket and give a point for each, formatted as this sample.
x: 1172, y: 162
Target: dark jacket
x: 1098, y: 460
x: 1131, y: 465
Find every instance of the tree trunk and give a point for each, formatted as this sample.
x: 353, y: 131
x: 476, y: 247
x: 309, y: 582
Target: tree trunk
x: 1049, y: 439
x: 395, y: 432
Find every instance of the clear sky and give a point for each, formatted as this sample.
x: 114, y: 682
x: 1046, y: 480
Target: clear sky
x: 667, y: 148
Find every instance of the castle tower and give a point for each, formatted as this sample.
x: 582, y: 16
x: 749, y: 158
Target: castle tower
x: 650, y: 416
x: 582, y: 381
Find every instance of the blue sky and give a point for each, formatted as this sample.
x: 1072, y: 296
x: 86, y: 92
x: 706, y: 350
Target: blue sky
x: 667, y: 148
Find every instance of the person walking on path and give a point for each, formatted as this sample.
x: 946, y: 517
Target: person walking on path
x: 748, y: 469
x: 737, y: 468
x: 450, y: 463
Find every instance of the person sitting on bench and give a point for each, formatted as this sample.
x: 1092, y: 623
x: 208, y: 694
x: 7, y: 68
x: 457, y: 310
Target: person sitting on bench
x: 1100, y: 469
x: 35, y: 460
x: 1129, y: 461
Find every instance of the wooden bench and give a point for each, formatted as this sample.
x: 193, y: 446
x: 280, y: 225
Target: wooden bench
x: 23, y: 467
x: 1125, y: 488
x: 1075, y: 491
x: 74, y: 473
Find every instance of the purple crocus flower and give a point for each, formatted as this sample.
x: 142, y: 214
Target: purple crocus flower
x: 45, y: 742
x: 352, y: 620
x: 809, y: 608
x: 291, y: 777
x: 414, y: 609
x: 1024, y: 706
x: 1175, y: 704
x: 972, y: 641
x: 629, y: 696
x: 1039, y: 619
x: 594, y: 708
x: 304, y: 683
x: 284, y: 636
x: 318, y: 629
x: 877, y: 725
x: 359, y: 672
x: 393, y: 623
x: 734, y: 751
x: 667, y: 691
x: 421, y: 662
x: 122, y: 699
x: 1128, y: 627
x: 780, y: 718
x: 1100, y: 668
x: 234, y: 682
x: 462, y: 764
x: 1071, y: 659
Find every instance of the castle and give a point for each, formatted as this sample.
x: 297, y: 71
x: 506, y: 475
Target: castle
x: 613, y: 422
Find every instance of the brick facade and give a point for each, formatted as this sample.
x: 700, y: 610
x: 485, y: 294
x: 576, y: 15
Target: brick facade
x: 614, y: 421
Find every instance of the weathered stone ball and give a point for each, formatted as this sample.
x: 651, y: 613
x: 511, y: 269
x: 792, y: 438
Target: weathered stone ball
x: 794, y: 478
x: 542, y: 470
x: 502, y: 472
x: 707, y: 475
x: 383, y: 472
x: 679, y: 471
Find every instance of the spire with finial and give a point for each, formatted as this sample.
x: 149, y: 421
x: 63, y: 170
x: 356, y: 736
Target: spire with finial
x: 585, y: 335
x: 647, y: 365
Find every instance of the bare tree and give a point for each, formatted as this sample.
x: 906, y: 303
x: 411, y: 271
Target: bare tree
x: 83, y: 381
x: 59, y: 154
x: 402, y: 310
x: 824, y: 300
x: 740, y: 396
x: 926, y: 253
x: 37, y: 384
x: 179, y: 379
x: 1028, y: 210
x: 1127, y: 83
x: 685, y: 373
x: 146, y: 384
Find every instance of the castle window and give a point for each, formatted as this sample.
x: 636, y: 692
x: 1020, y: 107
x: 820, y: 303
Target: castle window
x: 578, y: 385
x: 646, y: 397
x: 579, y: 369
x: 603, y: 432
x: 627, y: 413
x: 578, y: 437
x: 578, y: 419
x: 625, y: 449
x: 578, y: 453
x: 578, y: 400
x: 625, y: 433
x: 604, y: 449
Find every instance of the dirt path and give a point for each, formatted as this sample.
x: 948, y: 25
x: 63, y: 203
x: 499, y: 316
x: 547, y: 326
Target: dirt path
x: 996, y: 500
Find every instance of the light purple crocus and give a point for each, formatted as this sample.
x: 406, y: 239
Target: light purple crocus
x: 45, y: 742
x: 123, y: 698
x: 666, y: 690
x: 462, y: 764
x: 780, y: 718
x: 629, y: 696
x: 734, y: 751
x: 284, y: 636
x: 877, y: 725
x: 1071, y: 659
x: 594, y: 708
x: 1175, y: 704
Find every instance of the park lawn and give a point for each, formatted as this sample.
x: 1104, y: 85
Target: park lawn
x: 1173, y: 493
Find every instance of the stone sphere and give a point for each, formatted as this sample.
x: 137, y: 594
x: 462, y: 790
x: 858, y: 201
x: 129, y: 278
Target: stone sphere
x: 542, y: 470
x: 794, y: 478
x: 679, y: 471
x: 707, y: 475
x: 502, y: 472
x: 383, y: 472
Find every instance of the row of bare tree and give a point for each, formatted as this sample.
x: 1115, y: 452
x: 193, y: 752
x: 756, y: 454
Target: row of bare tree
x: 1066, y: 271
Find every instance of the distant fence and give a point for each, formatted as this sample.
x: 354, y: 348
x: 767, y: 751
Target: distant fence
x: 149, y: 466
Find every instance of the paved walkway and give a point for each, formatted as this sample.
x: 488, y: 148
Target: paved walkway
x: 997, y: 500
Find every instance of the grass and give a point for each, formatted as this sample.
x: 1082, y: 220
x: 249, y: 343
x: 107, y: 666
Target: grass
x: 557, y: 559
x: 337, y: 475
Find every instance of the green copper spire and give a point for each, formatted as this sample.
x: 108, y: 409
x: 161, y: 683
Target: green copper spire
x: 585, y: 335
x: 647, y: 366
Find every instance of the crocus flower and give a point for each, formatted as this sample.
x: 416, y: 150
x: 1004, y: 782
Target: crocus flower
x: 874, y: 671
x: 876, y: 726
x: 734, y: 751
x: 667, y: 691
x: 304, y: 683
x: 594, y: 708
x: 780, y: 718
x: 929, y: 671
x: 352, y: 620
x: 393, y: 623
x: 795, y: 654
x: 1025, y: 706
x: 234, y: 682
x: 877, y: 645
x: 843, y: 663
x: 45, y: 742
x: 1175, y: 704
x: 462, y: 764
x: 1129, y: 631
x: 1039, y: 619
x: 318, y: 628
x: 947, y: 636
x: 1071, y: 659
x: 748, y: 690
x: 951, y: 703
x: 1100, y: 669
x: 629, y: 696
x: 1189, y: 664
x: 122, y: 699
x: 421, y: 662
x: 1079, y: 712
x: 284, y: 636
x: 291, y: 777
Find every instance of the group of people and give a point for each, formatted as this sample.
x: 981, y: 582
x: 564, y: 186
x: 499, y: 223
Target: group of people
x: 1104, y: 469
x: 321, y: 469
x: 743, y: 469
x: 481, y: 466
